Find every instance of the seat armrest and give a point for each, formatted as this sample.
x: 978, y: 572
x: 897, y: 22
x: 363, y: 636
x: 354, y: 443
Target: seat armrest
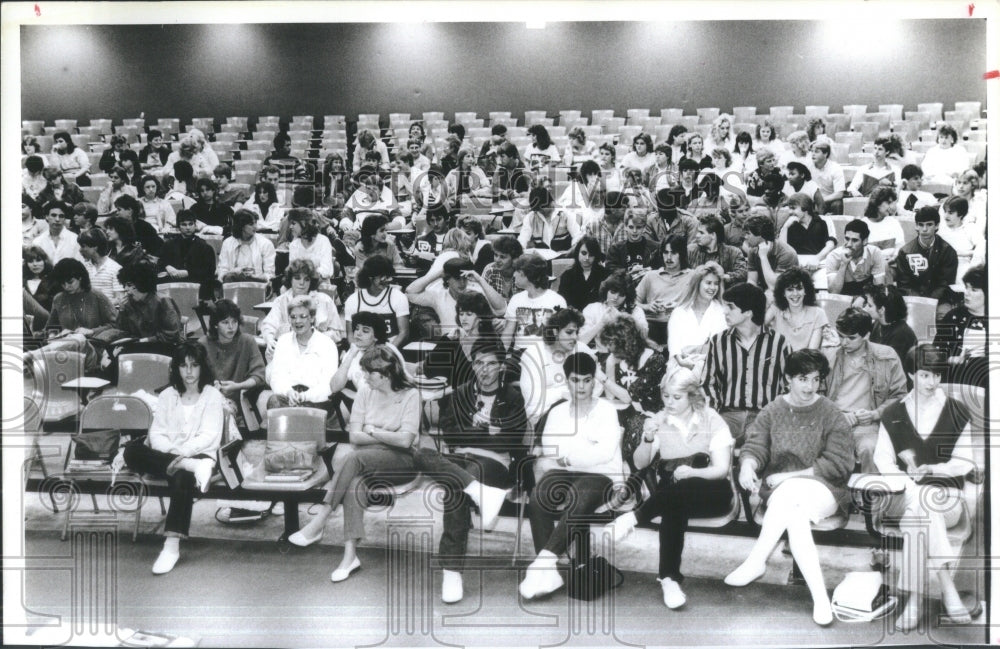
x: 877, y: 484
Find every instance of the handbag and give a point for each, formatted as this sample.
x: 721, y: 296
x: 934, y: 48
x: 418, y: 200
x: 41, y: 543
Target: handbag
x: 96, y: 444
x: 280, y: 456
x: 665, y: 468
x: 862, y: 597
x: 592, y: 578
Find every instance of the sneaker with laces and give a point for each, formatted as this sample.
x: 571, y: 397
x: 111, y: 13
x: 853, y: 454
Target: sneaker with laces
x: 673, y: 596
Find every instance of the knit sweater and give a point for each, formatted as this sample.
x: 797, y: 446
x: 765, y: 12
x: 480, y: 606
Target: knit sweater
x: 84, y: 309
x: 784, y: 438
x: 237, y: 360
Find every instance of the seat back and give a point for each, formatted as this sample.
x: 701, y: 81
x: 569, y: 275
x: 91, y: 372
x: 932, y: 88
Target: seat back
x: 142, y: 371
x: 707, y: 115
x: 119, y: 412
x: 833, y: 304
x: 245, y: 294
x: 921, y: 316
x: 855, y: 206
x: 296, y: 425
x: 52, y: 368
x: 185, y: 296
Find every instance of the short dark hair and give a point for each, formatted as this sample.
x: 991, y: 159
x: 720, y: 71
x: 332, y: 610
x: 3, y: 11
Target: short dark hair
x: 747, y: 297
x: 374, y: 266
x: 498, y: 129
x: 205, y: 183
x: 302, y: 267
x: 220, y: 311
x: 889, y: 298
x: 223, y: 169
x: 197, y: 353
x: 946, y: 129
x: 927, y: 213
x: 589, y: 168
x: 679, y: 244
x: 305, y: 218
x: 540, y: 198
x: 185, y: 215
x: 976, y: 277
x: 880, y: 195
x: 56, y: 205
x: 858, y: 227
x: 592, y: 245
x: 928, y: 357
x: 579, y: 363
x: 713, y: 225
x: 668, y: 200
x: 534, y: 268
x: 801, y: 168
x: 509, y: 246
x: 123, y: 227
x: 806, y: 361
x: 619, y: 283
x: 374, y: 321
x: 491, y: 346
x: 956, y: 204
x: 142, y: 276
x: 615, y: 201
x: 34, y: 163
x: 87, y: 210
x: 911, y: 171
x: 241, y: 219
x: 453, y: 268
x: 473, y: 302
x: 855, y: 321
x: 95, y: 238
x: 761, y: 226
x: 687, y: 164
x: 69, y: 268
x: 794, y: 277
x: 559, y: 320
x: 774, y: 180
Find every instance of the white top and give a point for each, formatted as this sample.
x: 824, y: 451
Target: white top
x: 328, y: 319
x: 65, y: 246
x: 888, y: 229
x: 685, y: 330
x: 269, y: 221
x: 362, y: 300
x: 703, y: 429
x: 312, y: 367
x: 362, y: 204
x: 590, y: 442
x: 536, y: 224
x: 830, y: 178
x: 439, y: 298
x: 631, y: 160
x: 536, y: 157
x: 531, y: 314
x: 542, y: 382
x: 941, y: 165
x: 597, y: 314
x: 258, y: 254
x: 320, y: 252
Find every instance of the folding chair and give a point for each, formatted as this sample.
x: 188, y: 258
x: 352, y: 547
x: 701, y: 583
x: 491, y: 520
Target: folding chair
x: 142, y: 371
x: 49, y: 370
x: 185, y: 296
x: 245, y: 294
x: 922, y: 316
x: 708, y: 115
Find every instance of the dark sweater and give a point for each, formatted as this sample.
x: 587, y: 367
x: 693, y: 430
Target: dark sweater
x: 237, y: 361
x: 579, y: 291
x: 458, y: 409
x: 938, y: 446
x: 192, y: 254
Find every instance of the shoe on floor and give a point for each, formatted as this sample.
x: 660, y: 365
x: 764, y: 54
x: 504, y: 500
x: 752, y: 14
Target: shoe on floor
x: 340, y: 574
x: 451, y: 586
x: 673, y: 596
x: 165, y: 562
x: 745, y: 574
x: 541, y: 579
x: 278, y: 508
x: 621, y: 527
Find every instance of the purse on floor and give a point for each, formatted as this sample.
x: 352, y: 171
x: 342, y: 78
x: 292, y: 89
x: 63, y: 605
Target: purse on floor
x: 592, y: 578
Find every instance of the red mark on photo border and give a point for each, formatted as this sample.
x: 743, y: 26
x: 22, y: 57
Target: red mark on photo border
x: 972, y: 8
x: 38, y: 10
x: 992, y: 74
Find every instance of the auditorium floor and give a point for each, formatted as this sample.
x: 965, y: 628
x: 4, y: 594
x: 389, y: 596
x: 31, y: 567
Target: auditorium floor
x: 259, y: 594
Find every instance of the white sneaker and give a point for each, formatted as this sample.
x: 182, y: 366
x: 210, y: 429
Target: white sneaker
x: 451, y: 586
x: 673, y: 596
x: 489, y: 500
x: 165, y: 562
x: 621, y: 527
x: 203, y: 474
x: 541, y: 579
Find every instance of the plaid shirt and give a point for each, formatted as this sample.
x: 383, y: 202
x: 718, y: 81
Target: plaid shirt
x: 605, y: 235
x: 494, y: 277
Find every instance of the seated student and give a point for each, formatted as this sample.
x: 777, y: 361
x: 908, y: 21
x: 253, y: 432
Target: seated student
x: 159, y: 212
x: 962, y: 332
x: 888, y: 309
x: 112, y: 156
x: 455, y: 275
x: 767, y: 258
x: 122, y: 245
x: 687, y: 185
x: 743, y: 369
x: 420, y: 161
x: 57, y: 242
x: 947, y: 159
x: 483, y: 423
x: 154, y: 155
x: 303, y: 358
x: 879, y: 172
x: 610, y: 228
x: 31, y: 225
x: 265, y: 204
x: 103, y: 271
x: 632, y: 374
x: 531, y: 305
x: 615, y: 299
x: 282, y: 158
x: 668, y: 218
x: 511, y: 181
x: 829, y: 176
x: 130, y: 208
x: 84, y: 218
x: 541, y: 152
x: 927, y: 437
x: 233, y: 355
x: 709, y: 245
x: 805, y: 231
x: 964, y: 237
x: 580, y: 149
x: 637, y: 254
x: 367, y: 330
x: 482, y: 253
x: 246, y: 255
x: 187, y: 430
x: 32, y: 180
x: 634, y: 190
x: 308, y: 243
x: 269, y: 174
x: 337, y: 184
x: 187, y: 257
x: 856, y: 264
x: 690, y: 449
x: 216, y: 216
x: 865, y: 378
x: 375, y: 241
x: 146, y: 317
x: 466, y: 179
x: 489, y: 151
x: 662, y: 174
x: 377, y: 294
x: 698, y: 316
x: 773, y: 199
x: 545, y: 225
x: 800, y: 182
x: 927, y: 265
x: 300, y: 279
x: 499, y: 273
x: 428, y: 246
x: 580, y: 284
x: 802, y: 477
x: 37, y: 279
x: 579, y: 453
x: 734, y: 212
x: 226, y: 193
x: 368, y: 142
x: 451, y: 357
x: 659, y: 291
x: 694, y: 150
x: 911, y: 198
x: 78, y: 313
x: 384, y: 426
x: 767, y: 161
x: 188, y: 152
x: 179, y: 184
x: 430, y: 192
x: 969, y: 185
x: 71, y: 160
x: 794, y: 313
x: 372, y: 196
x: 885, y: 230
x: 798, y: 150
x: 583, y: 197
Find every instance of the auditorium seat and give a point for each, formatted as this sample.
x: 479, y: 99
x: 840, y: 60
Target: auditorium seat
x: 242, y: 123
x: 68, y: 125
x: 817, y: 111
x: 103, y: 126
x: 796, y: 123
x: 852, y: 138
x: 965, y: 119
x: 744, y: 113
x: 924, y: 119
x: 533, y: 116
x: 743, y: 127
x: 648, y: 124
x: 250, y: 154
x: 138, y: 123
x: 974, y: 108
x: 936, y: 109
x: 705, y: 130
x: 82, y: 141
x: 707, y: 115
x: 433, y: 115
x: 569, y: 115
x: 690, y: 122
x: 93, y: 132
x: 307, y: 122
x: 671, y: 115
x: 472, y: 123
x: 204, y: 124
x: 509, y: 122
x: 840, y: 152
x: 781, y: 112
x: 601, y: 116
x: 614, y: 125
x: 34, y: 127
x: 463, y: 117
x: 895, y: 110
x: 854, y: 206
x: 909, y: 131
x: 334, y: 122
x: 855, y: 109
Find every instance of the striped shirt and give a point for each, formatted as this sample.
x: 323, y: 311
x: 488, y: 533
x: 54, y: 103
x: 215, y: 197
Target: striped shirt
x: 104, y: 278
x: 606, y: 234
x: 736, y: 377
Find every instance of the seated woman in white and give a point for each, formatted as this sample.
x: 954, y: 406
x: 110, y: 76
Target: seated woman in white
x: 944, y: 161
x: 580, y: 148
x: 266, y: 206
x: 300, y: 279
x: 926, y: 439
x: 372, y: 196
x: 584, y: 197
x: 187, y: 429
x: 309, y: 243
x: 699, y: 315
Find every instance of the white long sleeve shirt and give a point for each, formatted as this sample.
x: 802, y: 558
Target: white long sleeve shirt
x: 312, y: 367
x: 590, y: 442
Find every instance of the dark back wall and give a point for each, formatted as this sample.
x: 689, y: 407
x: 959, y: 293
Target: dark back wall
x: 190, y: 71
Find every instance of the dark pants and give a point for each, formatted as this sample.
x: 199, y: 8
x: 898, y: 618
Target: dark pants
x: 562, y: 508
x: 142, y: 459
x: 455, y: 473
x: 676, y: 503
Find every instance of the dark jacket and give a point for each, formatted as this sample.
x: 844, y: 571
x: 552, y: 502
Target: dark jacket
x: 193, y: 255
x: 459, y: 407
x: 926, y: 272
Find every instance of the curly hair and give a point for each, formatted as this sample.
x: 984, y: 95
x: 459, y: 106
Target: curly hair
x: 618, y: 282
x: 559, y: 321
x: 790, y: 279
x: 623, y: 339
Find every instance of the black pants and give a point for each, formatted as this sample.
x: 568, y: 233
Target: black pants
x: 676, y: 503
x: 142, y: 459
x: 455, y: 473
x: 562, y: 508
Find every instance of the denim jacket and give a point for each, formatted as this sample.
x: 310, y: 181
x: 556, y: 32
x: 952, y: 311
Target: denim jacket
x: 888, y: 382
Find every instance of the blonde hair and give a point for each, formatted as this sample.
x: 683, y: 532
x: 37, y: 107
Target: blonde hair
x: 459, y: 240
x: 697, y: 276
x: 686, y: 381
